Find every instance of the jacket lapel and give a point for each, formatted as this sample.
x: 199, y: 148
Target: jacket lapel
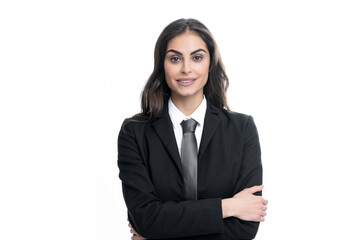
x: 211, y: 123
x: 164, y: 129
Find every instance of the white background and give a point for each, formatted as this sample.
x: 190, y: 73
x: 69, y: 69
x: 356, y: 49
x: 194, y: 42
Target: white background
x: 71, y: 71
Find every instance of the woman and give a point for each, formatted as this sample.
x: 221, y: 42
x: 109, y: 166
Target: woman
x: 189, y: 166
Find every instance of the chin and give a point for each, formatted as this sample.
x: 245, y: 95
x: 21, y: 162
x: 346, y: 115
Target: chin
x: 187, y: 93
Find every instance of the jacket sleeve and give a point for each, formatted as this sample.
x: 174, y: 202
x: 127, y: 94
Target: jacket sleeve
x: 151, y: 217
x: 250, y: 175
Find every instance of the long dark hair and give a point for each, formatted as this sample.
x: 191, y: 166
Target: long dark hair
x: 156, y: 91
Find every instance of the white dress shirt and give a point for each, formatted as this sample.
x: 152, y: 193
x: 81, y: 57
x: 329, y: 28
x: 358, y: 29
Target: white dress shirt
x: 177, y: 117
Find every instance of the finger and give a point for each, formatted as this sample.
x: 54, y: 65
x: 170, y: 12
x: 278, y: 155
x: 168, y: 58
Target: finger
x: 263, y: 214
x: 137, y: 237
x: 262, y: 219
x: 136, y: 234
x: 134, y: 237
x: 129, y: 225
x: 266, y: 201
x: 132, y: 231
x: 265, y: 208
x: 255, y: 189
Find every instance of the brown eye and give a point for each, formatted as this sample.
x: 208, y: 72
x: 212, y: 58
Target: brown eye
x: 174, y: 59
x: 198, y: 58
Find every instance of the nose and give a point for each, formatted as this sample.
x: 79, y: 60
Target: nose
x: 186, y: 67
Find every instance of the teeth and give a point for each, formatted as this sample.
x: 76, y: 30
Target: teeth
x: 186, y: 81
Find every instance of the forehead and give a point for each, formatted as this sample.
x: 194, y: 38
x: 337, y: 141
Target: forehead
x: 186, y: 41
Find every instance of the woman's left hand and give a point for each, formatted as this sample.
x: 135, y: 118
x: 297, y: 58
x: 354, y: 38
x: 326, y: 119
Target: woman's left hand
x: 135, y: 235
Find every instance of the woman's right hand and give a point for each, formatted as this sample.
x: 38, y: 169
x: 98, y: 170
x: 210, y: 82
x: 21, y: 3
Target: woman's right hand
x: 245, y: 205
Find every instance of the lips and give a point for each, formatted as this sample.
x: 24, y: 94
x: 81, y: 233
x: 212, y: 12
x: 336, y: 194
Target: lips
x: 186, y: 81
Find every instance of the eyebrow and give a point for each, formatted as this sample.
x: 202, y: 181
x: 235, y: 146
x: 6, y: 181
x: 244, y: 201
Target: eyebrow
x: 177, y: 52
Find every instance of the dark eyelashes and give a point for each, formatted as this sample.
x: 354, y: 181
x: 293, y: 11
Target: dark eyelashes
x: 198, y: 56
x: 176, y: 59
x: 173, y: 59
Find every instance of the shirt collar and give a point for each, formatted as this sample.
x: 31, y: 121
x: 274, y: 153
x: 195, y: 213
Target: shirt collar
x: 177, y: 116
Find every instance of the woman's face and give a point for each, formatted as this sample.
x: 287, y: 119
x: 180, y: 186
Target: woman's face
x: 186, y: 65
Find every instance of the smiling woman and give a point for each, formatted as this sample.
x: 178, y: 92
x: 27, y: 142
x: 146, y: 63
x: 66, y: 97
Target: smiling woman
x: 186, y: 69
x: 189, y: 166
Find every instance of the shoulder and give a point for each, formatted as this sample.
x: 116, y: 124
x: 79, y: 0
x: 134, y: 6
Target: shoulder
x: 235, y: 115
x: 137, y: 118
x: 237, y: 118
x: 239, y: 123
x: 134, y: 124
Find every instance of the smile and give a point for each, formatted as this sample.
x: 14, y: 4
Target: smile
x: 186, y: 81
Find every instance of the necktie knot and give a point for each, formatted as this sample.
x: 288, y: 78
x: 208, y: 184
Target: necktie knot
x: 188, y: 125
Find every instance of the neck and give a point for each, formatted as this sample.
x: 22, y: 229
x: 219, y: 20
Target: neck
x: 187, y: 105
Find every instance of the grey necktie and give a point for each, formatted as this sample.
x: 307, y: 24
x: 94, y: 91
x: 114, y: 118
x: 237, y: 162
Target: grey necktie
x: 189, y: 158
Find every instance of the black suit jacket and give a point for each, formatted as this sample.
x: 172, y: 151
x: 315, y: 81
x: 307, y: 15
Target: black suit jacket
x: 151, y: 173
